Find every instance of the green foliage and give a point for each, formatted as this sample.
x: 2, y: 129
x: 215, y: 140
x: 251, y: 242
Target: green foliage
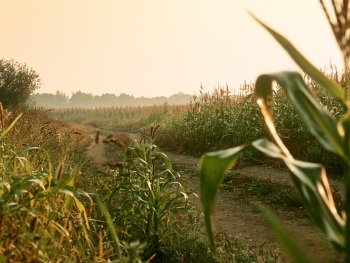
x: 17, y: 83
x: 141, y: 210
x: 217, y: 120
x: 149, y: 202
x: 40, y: 208
x: 309, y: 179
x: 213, y: 120
x: 127, y: 119
x: 45, y: 213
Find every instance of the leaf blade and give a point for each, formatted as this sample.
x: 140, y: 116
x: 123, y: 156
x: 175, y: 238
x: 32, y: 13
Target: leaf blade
x: 321, y: 123
x: 213, y: 167
x: 304, y: 64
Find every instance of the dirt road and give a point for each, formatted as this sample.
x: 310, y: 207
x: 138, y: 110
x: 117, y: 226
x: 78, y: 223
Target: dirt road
x: 237, y: 213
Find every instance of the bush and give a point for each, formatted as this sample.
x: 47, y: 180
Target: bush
x: 17, y: 83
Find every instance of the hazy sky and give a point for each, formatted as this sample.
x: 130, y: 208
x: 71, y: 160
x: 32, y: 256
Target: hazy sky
x: 158, y: 47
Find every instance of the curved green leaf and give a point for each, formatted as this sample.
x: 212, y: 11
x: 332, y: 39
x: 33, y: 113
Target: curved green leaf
x: 267, y: 147
x: 321, y: 123
x: 311, y: 181
x: 312, y: 184
x: 305, y: 65
x: 213, y: 167
x: 295, y: 252
x: 111, y: 227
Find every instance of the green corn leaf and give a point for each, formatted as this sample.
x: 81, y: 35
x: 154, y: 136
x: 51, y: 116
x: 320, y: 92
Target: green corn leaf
x: 305, y: 65
x: 295, y: 252
x: 213, y: 167
x: 267, y: 147
x: 312, y: 184
x: 111, y: 227
x: 311, y: 181
x: 321, y: 123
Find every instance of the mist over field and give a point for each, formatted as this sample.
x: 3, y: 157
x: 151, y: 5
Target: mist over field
x: 87, y: 100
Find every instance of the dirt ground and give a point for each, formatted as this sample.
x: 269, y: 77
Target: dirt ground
x: 237, y: 213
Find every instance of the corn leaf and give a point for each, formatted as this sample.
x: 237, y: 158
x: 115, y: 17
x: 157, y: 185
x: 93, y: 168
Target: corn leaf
x: 59, y: 228
x: 111, y: 226
x: 213, y: 167
x: 82, y: 210
x: 12, y: 124
x: 312, y: 184
x: 295, y: 252
x: 305, y: 65
x: 37, y: 181
x: 321, y: 123
x: 267, y: 147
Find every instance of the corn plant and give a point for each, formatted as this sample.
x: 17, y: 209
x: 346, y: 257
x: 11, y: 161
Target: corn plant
x: 45, y: 215
x: 309, y: 178
x: 39, y: 207
x: 148, y: 201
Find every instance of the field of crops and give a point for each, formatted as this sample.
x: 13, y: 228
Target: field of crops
x: 217, y: 120
x: 62, y: 202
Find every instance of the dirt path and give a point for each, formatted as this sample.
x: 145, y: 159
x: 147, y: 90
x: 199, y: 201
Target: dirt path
x: 236, y: 209
x: 237, y: 213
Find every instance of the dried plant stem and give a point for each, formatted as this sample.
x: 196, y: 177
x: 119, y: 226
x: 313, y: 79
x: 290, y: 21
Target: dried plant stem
x: 341, y: 29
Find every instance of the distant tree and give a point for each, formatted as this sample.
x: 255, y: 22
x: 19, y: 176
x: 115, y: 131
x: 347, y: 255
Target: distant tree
x: 108, y: 100
x: 47, y: 100
x: 125, y: 100
x: 82, y: 99
x: 17, y: 83
x: 179, y: 98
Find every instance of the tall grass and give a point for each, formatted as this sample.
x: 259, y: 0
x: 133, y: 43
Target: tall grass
x: 42, y: 217
x: 57, y: 206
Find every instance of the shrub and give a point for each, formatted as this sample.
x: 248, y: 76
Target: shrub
x: 17, y: 83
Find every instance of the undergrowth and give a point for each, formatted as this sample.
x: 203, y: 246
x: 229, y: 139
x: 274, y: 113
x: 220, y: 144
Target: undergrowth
x: 57, y: 205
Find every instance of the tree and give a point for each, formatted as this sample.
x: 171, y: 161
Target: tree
x: 59, y: 100
x: 17, y: 83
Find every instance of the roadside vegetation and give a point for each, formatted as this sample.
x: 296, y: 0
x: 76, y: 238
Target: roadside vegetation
x: 218, y: 119
x: 136, y: 207
x: 330, y: 128
x: 71, y: 193
x: 59, y: 204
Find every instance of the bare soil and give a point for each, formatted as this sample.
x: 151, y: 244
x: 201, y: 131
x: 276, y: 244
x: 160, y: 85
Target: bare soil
x: 237, y: 213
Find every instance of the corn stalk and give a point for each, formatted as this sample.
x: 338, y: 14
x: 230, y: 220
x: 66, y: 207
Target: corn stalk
x: 309, y: 179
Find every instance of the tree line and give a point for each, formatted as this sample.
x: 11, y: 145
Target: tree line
x: 87, y: 100
x: 18, y: 83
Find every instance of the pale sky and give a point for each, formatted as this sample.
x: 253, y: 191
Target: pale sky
x: 159, y: 47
